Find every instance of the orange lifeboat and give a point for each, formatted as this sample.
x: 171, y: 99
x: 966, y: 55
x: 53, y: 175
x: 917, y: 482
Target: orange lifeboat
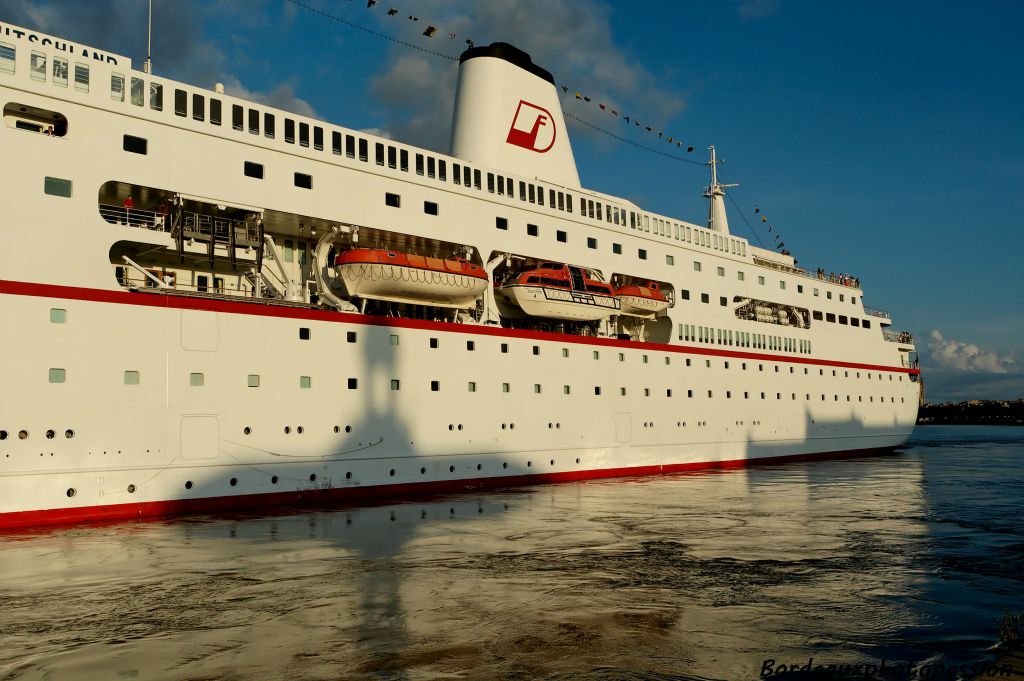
x: 381, y: 274
x: 642, y: 300
x: 558, y: 291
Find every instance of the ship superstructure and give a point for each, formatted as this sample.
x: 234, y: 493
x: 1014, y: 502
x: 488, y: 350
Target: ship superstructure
x: 211, y: 303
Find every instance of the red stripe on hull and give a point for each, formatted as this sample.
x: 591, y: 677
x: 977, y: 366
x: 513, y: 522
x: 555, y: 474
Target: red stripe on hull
x: 378, y: 493
x: 258, y: 308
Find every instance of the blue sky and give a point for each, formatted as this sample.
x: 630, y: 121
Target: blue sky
x: 882, y: 139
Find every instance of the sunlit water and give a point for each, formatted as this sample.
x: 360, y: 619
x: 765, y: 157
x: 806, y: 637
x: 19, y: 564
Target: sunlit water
x: 911, y: 556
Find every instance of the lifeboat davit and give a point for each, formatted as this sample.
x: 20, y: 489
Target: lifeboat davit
x: 558, y: 291
x: 642, y: 300
x: 382, y: 274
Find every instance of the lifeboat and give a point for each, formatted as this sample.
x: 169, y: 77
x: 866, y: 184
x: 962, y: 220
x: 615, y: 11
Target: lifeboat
x: 558, y: 291
x: 642, y: 300
x: 381, y: 274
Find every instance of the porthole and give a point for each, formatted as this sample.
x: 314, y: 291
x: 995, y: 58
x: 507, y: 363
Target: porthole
x: 504, y: 426
x: 50, y: 434
x: 22, y: 434
x: 287, y: 430
x: 451, y: 426
x: 312, y: 477
x: 423, y: 471
x: 188, y: 484
x: 71, y: 492
x: 131, y: 489
x: 348, y: 429
x: 337, y: 429
x: 67, y: 433
x: 552, y: 462
x: 529, y: 464
x: 460, y: 426
x: 299, y: 430
x: 505, y: 465
x: 557, y: 426
x: 577, y: 459
x: 550, y: 425
x: 348, y: 475
x: 392, y: 473
x: 3, y: 434
x: 247, y: 430
x: 451, y: 469
x: 273, y: 480
x: 233, y: 481
x: 511, y: 426
x: 479, y: 466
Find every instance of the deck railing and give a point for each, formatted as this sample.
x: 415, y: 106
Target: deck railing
x: 899, y: 337
x: 877, y: 313
x: 831, y: 278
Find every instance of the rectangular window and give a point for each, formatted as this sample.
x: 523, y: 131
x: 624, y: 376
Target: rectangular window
x: 117, y: 87
x: 532, y: 193
x: 843, y: 319
x: 180, y: 103
x: 817, y: 315
x: 55, y: 186
x: 830, y: 317
x: 696, y: 266
x: 430, y: 166
x: 289, y: 131
x: 7, y: 55
x: 157, y: 96
x: 336, y: 142
x: 350, y: 146
x: 560, y: 236
x: 82, y: 77
x: 57, y: 375
x: 591, y: 242
x: 670, y: 260
x: 531, y: 230
x: 198, y: 107
x: 237, y: 117
x: 501, y: 185
x: 58, y: 315
x: 501, y: 223
x: 430, y: 207
x: 490, y: 182
x: 253, y: 381
x: 378, y: 153
x: 642, y: 253
x: 196, y: 380
x: 561, y: 200
x: 396, y: 384
x: 136, y: 145
x: 456, y: 173
x: 253, y: 170
x: 306, y: 382
x: 138, y: 91
x: 442, y: 171
x: 303, y: 181
x: 617, y: 249
x: 476, y: 179
x: 364, y: 150
x: 403, y: 161
x: 215, y: 111
x: 866, y: 324
x: 303, y: 134
x: 132, y: 377
x: 393, y: 200
x: 318, y: 138
x: 420, y: 166
x: 288, y: 250
x: 392, y: 158
x: 60, y: 72
x: 269, y: 126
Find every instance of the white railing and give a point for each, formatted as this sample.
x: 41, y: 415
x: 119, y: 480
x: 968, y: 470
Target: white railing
x: 877, y: 313
x: 817, y: 275
x: 904, y: 337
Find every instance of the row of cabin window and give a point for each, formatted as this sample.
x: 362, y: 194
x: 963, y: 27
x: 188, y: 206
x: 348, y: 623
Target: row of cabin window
x: 692, y: 333
x: 831, y: 317
x: 37, y: 68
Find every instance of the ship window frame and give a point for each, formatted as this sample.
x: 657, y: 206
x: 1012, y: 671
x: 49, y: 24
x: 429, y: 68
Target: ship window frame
x: 617, y: 249
x: 180, y: 102
x: 392, y: 157
x: 136, y: 91
x: 501, y: 223
x: 350, y: 146
x: 237, y: 117
x: 378, y: 153
x: 364, y: 150
x: 336, y: 142
x: 476, y: 178
x: 392, y: 200
x: 81, y: 77
x: 431, y: 167
x: 135, y: 145
x: 318, y: 138
x: 198, y: 107
x: 8, y: 58
x: 156, y: 96
x: 269, y: 125
x: 253, y: 170
x: 57, y: 186
x: 117, y: 86
x: 591, y: 242
x: 59, y: 72
x: 215, y: 111
x: 289, y: 131
x: 303, y: 134
x: 403, y: 160
x: 303, y: 180
x: 561, y: 236
x: 430, y: 207
x: 532, y: 230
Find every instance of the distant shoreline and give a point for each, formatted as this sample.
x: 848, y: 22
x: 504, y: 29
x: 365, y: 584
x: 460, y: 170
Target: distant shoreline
x: 974, y: 413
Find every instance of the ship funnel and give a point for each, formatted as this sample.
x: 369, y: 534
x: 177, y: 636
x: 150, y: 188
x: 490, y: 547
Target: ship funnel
x: 508, y: 116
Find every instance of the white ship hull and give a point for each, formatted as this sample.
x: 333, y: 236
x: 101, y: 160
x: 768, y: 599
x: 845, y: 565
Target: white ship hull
x: 122, y: 401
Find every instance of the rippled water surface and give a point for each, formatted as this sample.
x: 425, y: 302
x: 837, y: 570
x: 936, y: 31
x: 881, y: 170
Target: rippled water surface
x: 911, y: 556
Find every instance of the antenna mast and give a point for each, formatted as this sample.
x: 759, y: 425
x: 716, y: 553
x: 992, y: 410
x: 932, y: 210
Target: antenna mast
x: 148, y: 66
x: 717, y: 220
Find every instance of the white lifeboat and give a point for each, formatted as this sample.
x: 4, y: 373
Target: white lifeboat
x: 381, y: 274
x: 558, y: 291
x: 642, y: 300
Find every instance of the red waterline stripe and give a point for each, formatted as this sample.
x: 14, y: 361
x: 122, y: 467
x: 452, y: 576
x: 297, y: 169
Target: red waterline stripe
x: 21, y: 288
x: 380, y: 493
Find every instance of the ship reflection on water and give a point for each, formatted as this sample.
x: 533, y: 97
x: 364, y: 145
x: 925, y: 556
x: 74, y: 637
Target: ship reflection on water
x: 697, y: 576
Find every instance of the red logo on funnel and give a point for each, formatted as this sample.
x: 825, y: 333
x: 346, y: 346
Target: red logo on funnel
x: 532, y: 128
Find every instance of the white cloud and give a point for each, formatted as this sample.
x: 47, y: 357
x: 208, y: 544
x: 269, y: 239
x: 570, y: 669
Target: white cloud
x: 571, y: 38
x: 281, y: 97
x: 958, y: 356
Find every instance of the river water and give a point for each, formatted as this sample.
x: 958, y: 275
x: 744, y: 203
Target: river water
x: 909, y: 558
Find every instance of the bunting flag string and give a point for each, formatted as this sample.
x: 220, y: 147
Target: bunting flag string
x: 780, y: 245
x: 436, y: 32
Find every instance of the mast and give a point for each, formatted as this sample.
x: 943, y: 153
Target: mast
x: 717, y: 219
x: 148, y: 66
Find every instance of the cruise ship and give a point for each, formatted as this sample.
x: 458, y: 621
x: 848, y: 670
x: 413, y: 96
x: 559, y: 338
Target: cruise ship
x: 212, y: 304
